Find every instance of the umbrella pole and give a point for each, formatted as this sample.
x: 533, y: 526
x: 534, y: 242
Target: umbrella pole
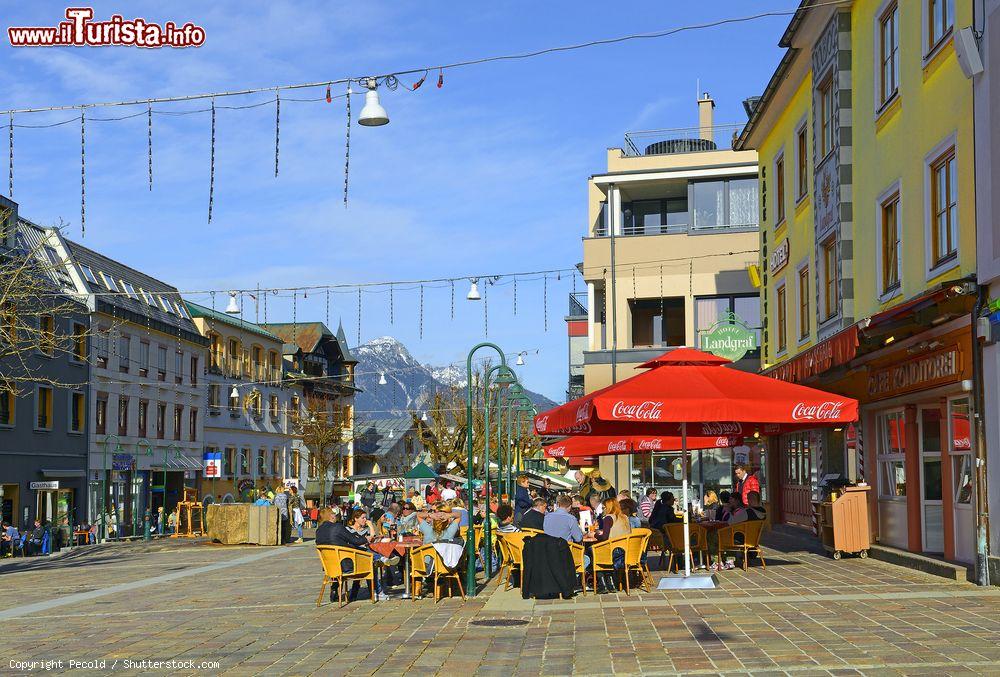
x: 684, y: 492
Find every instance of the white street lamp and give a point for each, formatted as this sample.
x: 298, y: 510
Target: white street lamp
x: 381, y: 378
x: 234, y: 307
x: 234, y: 393
x: 372, y: 115
x: 473, y: 294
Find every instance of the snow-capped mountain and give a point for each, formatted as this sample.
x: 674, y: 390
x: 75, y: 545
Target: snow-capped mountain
x: 409, y: 385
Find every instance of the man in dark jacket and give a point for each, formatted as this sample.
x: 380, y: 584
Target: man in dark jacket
x: 663, y: 512
x: 535, y: 518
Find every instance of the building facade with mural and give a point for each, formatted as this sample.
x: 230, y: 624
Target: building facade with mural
x: 868, y: 229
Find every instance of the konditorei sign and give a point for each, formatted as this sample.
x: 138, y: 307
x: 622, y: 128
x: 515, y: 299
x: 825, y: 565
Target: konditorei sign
x: 917, y: 373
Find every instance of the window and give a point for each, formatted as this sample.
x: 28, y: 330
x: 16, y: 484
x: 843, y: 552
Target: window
x: 79, y: 342
x: 193, y: 425
x: 77, y: 412
x: 246, y: 362
x: 296, y: 463
x: 234, y: 400
x: 261, y: 462
x: 101, y: 339
x: 940, y: 19
x: 143, y: 358
x: 88, y: 274
x: 109, y: 282
x: 830, y: 278
x: 101, y: 414
x: 194, y: 370
x: 782, y: 319
x: 888, y: 46
x: 276, y: 463
x: 143, y: 417
x: 46, y: 334
x: 804, y: 302
x: 274, y: 407
x: 43, y: 408
x: 149, y: 297
x: 124, y: 344
x: 655, y: 217
x: 779, y: 190
x: 944, y: 209
x: 213, y: 396
x: 294, y: 406
x: 244, y: 462
x: 710, y: 310
x: 272, y: 359
x: 178, y: 416
x: 801, y: 163
x: 122, y: 415
x: 165, y: 304
x: 161, y: 363
x: 891, y: 246
x: 256, y: 361
x: 657, y: 322
x: 234, y: 357
x: 312, y: 468
x: 178, y: 366
x: 161, y: 421
x: 890, y: 449
x: 797, y: 470
x: 182, y: 310
x: 130, y: 290
x: 825, y: 121
x: 7, y: 401
x: 730, y: 202
x: 229, y: 461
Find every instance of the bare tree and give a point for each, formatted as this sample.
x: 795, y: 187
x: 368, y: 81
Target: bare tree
x: 32, y: 303
x: 327, y: 436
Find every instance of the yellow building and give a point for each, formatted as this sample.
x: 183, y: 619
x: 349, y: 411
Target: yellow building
x: 672, y: 230
x: 865, y: 136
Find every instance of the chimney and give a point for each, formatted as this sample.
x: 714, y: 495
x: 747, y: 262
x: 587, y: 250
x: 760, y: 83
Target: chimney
x: 706, y: 107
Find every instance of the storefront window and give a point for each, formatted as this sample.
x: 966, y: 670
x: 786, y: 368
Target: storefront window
x: 798, y: 460
x: 890, y: 446
x: 962, y: 470
x: 960, y: 436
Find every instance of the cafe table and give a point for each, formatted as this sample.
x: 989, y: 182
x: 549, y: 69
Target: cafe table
x: 710, y: 526
x: 402, y: 546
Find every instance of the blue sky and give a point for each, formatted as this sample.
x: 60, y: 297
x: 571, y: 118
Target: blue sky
x: 487, y: 174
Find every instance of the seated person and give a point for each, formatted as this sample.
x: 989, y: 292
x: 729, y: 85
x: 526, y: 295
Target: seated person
x: 560, y: 523
x: 663, y: 512
x: 613, y: 524
x: 631, y: 510
x: 505, y: 519
x: 458, y: 507
x: 438, y: 528
x: 754, y: 510
x: 723, y: 509
x: 407, y: 520
x: 348, y: 534
x: 710, y: 505
x: 535, y: 518
x: 735, y: 511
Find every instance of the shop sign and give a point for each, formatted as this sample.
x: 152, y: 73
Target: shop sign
x: 123, y: 462
x: 44, y: 486
x: 730, y: 338
x: 918, y: 373
x: 779, y: 257
x: 213, y: 464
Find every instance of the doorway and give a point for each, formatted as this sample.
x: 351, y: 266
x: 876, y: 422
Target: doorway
x: 931, y: 505
x: 963, y: 482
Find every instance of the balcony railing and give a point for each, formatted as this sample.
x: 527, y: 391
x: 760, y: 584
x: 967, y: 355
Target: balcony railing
x: 577, y: 303
x: 680, y: 140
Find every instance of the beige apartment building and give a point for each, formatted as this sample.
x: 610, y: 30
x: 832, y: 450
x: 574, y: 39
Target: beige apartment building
x: 673, y: 228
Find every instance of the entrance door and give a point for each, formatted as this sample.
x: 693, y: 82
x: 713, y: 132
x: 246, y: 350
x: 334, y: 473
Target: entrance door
x: 932, y: 510
x: 963, y: 482
x: 796, y: 483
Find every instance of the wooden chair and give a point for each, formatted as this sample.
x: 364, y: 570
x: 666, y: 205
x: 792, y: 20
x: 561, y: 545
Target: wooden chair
x: 418, y: 566
x: 532, y: 532
x: 750, y: 532
x: 699, y: 541
x: 657, y: 543
x: 514, y: 545
x: 503, y: 573
x: 332, y: 557
x: 675, y: 546
x: 601, y: 555
x: 637, y: 542
x: 579, y: 564
x: 443, y: 573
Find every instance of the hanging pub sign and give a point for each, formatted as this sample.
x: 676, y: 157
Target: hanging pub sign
x: 730, y: 338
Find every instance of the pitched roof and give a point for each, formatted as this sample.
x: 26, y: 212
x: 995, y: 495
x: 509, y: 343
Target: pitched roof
x: 306, y: 335
x: 373, y: 436
x: 197, y: 310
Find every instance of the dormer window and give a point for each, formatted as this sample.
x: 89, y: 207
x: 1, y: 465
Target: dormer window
x: 109, y: 282
x: 130, y: 290
x: 149, y: 297
x: 88, y: 274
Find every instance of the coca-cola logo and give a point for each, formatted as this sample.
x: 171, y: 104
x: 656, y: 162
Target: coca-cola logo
x: 583, y: 411
x: 618, y: 445
x: 557, y: 452
x: 721, y: 428
x: 650, y: 445
x: 824, y: 411
x: 542, y: 424
x: 962, y: 443
x: 650, y: 410
x: 722, y: 442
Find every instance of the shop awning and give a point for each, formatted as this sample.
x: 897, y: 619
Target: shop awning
x: 177, y: 463
x: 603, y: 445
x: 839, y: 349
x: 913, y: 305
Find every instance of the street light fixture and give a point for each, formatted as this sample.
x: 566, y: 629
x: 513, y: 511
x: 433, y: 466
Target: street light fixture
x: 234, y: 307
x: 520, y: 358
x: 473, y: 294
x: 372, y: 115
x: 381, y: 378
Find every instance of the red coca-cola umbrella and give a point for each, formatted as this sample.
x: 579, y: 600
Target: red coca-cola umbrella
x: 592, y: 446
x: 686, y: 389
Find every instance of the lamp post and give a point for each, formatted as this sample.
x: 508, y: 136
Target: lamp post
x: 470, y: 544
x: 104, y: 483
x: 504, y: 378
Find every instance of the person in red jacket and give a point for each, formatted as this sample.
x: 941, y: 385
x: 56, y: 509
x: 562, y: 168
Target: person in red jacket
x: 746, y: 483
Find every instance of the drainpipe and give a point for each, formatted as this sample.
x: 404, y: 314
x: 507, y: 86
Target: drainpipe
x: 615, y: 216
x: 982, y: 506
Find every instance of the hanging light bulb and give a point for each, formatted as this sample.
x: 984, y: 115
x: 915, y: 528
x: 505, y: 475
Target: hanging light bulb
x: 390, y: 434
x: 234, y: 307
x: 381, y: 378
x: 520, y: 360
x: 234, y: 393
x: 372, y: 115
x: 424, y: 417
x: 473, y: 294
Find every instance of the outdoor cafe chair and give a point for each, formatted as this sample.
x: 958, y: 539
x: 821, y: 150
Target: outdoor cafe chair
x: 443, y: 573
x: 579, y: 564
x: 332, y: 557
x: 601, y: 555
x: 675, y: 542
x: 419, y: 570
x: 504, y: 571
x: 514, y: 542
x: 531, y: 532
x: 637, y: 542
x: 750, y: 541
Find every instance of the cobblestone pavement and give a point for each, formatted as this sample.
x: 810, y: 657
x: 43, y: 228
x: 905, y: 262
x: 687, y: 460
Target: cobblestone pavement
x: 245, y: 611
